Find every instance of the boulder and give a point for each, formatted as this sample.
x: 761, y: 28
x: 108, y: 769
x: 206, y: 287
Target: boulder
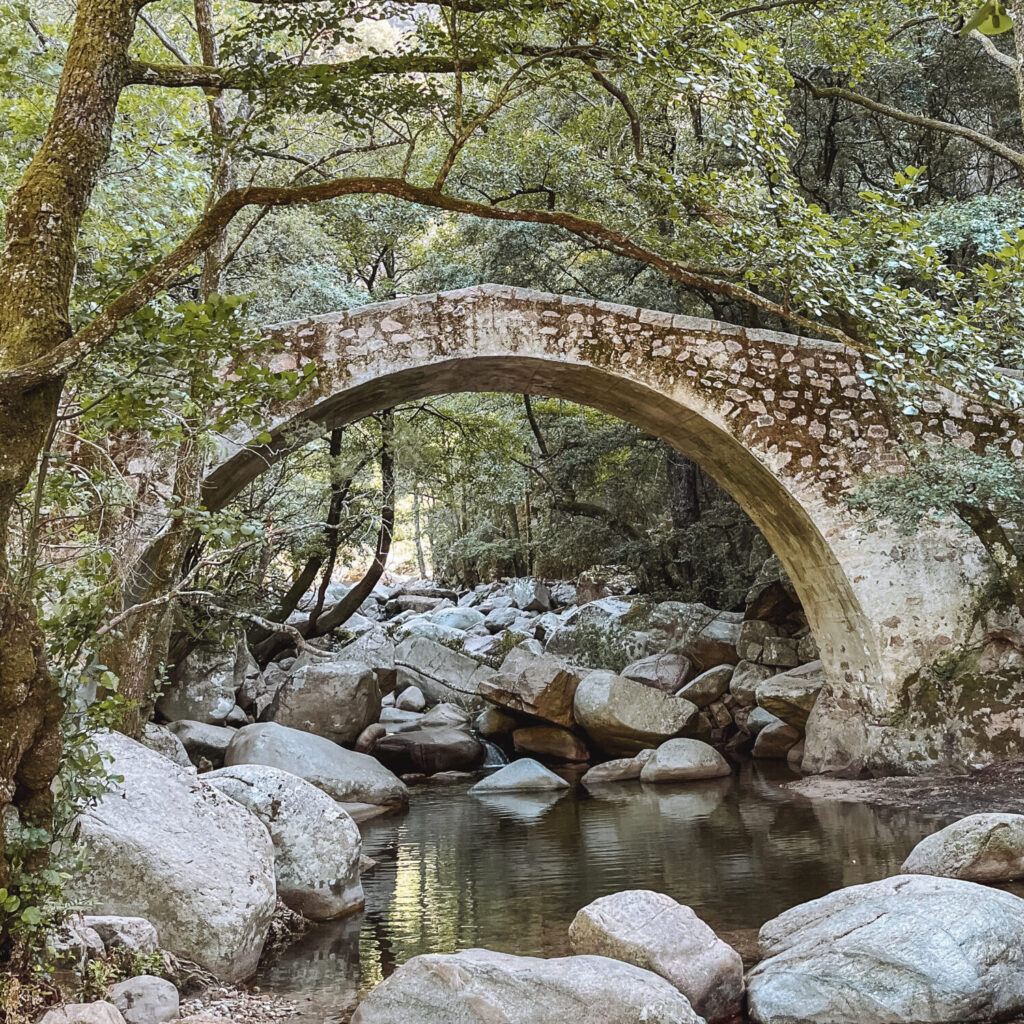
x: 495, y: 722
x: 83, y: 1013
x: 758, y: 719
x: 444, y: 715
x: 781, y: 651
x: 119, y: 932
x: 607, y: 611
x: 681, y: 760
x: 167, y: 846
x: 440, y: 673
x: 478, y: 986
x: 203, y: 741
x: 667, y: 671
x: 622, y: 716
x: 145, y: 999
x: 484, y: 646
x: 911, y: 948
x: 316, y: 843
x: 333, y: 699
x: 653, y: 931
x: 394, y: 719
x: 540, y: 685
x: 465, y: 619
x: 163, y: 741
x: 531, y: 596
x: 411, y: 699
x: 775, y: 741
x: 708, y: 686
x: 713, y: 645
x: 978, y: 848
x: 340, y: 773
x: 791, y: 695
x: 75, y: 943
x: 377, y: 650
x: 368, y: 737
x: 500, y: 619
x: 745, y: 679
x: 550, y: 743
x: 429, y: 750
x: 524, y: 774
x: 204, y: 683
x: 624, y: 769
x: 753, y: 633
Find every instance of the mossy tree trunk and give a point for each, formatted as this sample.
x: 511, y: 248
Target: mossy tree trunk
x: 37, y: 265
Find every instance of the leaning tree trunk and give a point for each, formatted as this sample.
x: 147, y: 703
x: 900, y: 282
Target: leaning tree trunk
x: 343, y: 610
x: 37, y: 265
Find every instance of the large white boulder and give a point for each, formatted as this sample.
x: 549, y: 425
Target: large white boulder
x: 440, y: 673
x: 316, y: 843
x: 622, y: 716
x: 478, y: 986
x: 340, y: 773
x: 978, y: 848
x: 683, y: 760
x: 653, y: 931
x: 205, y: 683
x: 333, y: 699
x: 906, y: 949
x: 167, y: 846
x: 540, y: 685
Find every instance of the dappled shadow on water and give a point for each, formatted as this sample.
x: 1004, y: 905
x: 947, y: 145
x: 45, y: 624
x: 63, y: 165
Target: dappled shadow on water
x: 508, y: 872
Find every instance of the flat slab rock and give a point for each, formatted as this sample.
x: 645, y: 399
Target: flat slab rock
x: 911, y: 949
x: 978, y: 848
x: 478, y: 986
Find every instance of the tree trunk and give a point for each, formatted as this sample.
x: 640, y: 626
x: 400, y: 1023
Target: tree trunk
x: 136, y: 657
x: 421, y: 564
x: 684, y: 498
x: 987, y: 528
x: 340, y: 612
x: 37, y: 266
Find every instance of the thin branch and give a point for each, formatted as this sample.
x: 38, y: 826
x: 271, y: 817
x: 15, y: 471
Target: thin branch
x: 984, y: 141
x: 174, y: 76
x: 627, y: 105
x: 164, y: 38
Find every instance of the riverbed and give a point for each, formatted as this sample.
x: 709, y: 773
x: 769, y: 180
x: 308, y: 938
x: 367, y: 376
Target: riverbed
x: 509, y: 872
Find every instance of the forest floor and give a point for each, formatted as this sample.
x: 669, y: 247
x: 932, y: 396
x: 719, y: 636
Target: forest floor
x: 999, y: 787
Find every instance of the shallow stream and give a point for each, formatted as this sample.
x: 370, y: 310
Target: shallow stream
x: 510, y: 872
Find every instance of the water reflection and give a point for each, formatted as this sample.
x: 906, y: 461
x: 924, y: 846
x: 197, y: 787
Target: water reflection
x: 508, y: 872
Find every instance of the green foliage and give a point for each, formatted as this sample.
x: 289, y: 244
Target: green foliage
x: 603, y: 646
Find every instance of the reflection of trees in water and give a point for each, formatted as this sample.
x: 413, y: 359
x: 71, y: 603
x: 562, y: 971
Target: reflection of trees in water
x: 510, y: 872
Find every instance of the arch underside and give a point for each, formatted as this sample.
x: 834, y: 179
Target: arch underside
x: 834, y: 612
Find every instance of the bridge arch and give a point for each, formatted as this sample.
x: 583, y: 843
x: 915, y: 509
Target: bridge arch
x: 784, y: 424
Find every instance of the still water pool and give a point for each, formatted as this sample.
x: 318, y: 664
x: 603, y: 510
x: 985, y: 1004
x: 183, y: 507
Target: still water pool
x: 510, y: 872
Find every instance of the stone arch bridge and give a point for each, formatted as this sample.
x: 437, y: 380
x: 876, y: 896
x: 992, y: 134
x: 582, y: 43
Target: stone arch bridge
x: 785, y: 424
